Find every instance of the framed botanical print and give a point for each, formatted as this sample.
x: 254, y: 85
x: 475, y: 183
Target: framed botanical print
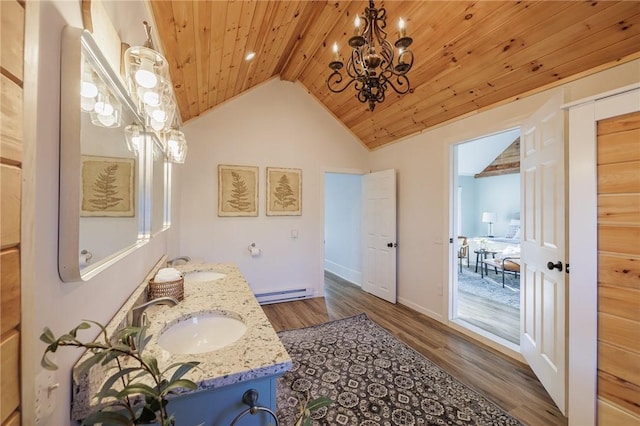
x: 237, y: 190
x: 108, y: 186
x: 284, y: 192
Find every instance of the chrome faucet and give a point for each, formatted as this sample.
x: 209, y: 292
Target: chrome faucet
x: 173, y: 261
x: 137, y: 317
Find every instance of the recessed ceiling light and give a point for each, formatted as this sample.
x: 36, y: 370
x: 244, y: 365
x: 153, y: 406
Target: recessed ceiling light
x: 250, y: 56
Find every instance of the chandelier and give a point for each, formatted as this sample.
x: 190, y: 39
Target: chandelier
x: 371, y: 67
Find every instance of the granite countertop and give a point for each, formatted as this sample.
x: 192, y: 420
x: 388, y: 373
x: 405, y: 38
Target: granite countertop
x: 257, y: 354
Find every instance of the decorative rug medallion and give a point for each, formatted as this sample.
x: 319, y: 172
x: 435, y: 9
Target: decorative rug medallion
x: 374, y: 379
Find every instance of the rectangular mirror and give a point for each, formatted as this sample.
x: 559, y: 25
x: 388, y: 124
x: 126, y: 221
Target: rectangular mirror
x: 159, y: 188
x: 102, y: 174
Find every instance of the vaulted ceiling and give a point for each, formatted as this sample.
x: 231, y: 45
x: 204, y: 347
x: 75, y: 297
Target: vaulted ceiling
x: 469, y: 55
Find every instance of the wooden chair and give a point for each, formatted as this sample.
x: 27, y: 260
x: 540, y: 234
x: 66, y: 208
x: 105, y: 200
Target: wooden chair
x: 463, y: 251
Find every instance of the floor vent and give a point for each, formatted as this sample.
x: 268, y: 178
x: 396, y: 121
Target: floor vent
x: 284, y: 295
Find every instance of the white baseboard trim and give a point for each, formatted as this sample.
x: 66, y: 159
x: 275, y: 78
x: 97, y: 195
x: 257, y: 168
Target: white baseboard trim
x: 343, y: 272
x: 421, y: 309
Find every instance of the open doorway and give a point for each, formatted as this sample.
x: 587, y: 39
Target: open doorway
x: 343, y: 227
x: 486, y: 217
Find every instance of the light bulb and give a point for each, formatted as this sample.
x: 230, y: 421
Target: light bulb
x: 145, y: 76
x: 159, y: 115
x: 103, y: 107
x: 336, y: 57
x: 401, y: 27
x: 151, y: 98
x: 107, y: 120
x: 88, y: 89
x: 87, y: 104
x: 157, y: 125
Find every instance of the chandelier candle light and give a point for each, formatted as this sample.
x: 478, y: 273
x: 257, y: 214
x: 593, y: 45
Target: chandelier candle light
x: 370, y: 67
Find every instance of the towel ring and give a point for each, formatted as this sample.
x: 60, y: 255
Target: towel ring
x: 250, y: 398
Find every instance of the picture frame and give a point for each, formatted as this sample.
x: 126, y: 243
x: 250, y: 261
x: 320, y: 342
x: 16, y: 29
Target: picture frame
x: 237, y: 190
x: 107, y: 186
x: 284, y: 191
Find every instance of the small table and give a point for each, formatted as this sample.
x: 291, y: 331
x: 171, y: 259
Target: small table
x: 484, y: 253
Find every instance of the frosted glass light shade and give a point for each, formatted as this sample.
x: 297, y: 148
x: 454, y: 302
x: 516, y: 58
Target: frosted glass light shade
x: 134, y: 135
x: 176, y: 146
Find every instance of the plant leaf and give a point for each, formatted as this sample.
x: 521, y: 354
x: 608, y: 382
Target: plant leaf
x: 108, y: 384
x: 107, y: 417
x: 182, y: 383
x: 89, y: 362
x: 81, y: 326
x: 323, y: 401
x: 137, y: 389
x: 184, y: 368
x: 47, y: 336
x: 152, y: 363
x: 46, y: 363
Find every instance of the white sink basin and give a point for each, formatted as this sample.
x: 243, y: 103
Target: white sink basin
x: 203, y: 276
x: 204, y: 332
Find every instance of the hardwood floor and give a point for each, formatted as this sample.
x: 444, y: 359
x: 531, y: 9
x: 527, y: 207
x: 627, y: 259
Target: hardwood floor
x: 508, y: 383
x: 496, y: 318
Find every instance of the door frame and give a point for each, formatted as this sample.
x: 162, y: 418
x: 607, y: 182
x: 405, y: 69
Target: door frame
x: 583, y: 244
x: 323, y: 172
x: 502, y: 345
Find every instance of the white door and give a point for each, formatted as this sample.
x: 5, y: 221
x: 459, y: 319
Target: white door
x: 379, y: 234
x: 543, y: 318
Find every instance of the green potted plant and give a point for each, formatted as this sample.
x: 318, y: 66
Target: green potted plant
x: 306, y: 406
x: 131, y: 399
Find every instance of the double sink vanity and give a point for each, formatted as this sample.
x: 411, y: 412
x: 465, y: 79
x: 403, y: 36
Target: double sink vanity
x: 236, y: 346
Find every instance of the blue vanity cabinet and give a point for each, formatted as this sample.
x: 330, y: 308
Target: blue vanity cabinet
x: 219, y: 407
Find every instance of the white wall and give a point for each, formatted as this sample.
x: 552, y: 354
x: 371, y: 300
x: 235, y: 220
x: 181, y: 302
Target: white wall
x: 500, y: 195
x: 276, y: 124
x: 423, y: 164
x: 342, y: 226
x: 47, y: 301
x: 468, y: 205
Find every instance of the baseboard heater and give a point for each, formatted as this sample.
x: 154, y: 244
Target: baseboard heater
x: 284, y: 295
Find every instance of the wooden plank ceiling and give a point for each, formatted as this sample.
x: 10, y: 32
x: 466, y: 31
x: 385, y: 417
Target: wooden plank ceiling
x: 469, y: 55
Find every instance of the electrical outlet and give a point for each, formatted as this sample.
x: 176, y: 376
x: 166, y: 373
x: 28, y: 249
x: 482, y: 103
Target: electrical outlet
x: 294, y: 233
x: 46, y: 385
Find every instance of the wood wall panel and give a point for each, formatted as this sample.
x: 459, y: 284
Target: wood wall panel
x: 10, y: 177
x: 619, y: 270
x: 618, y: 331
x: 619, y: 147
x: 618, y: 391
x: 13, y: 420
x: 619, y: 178
x: 9, y: 374
x: 10, y: 292
x: 618, y: 124
x: 12, y: 34
x: 621, y: 209
x: 609, y: 414
x: 12, y: 17
x: 11, y: 119
x: 619, y: 239
x: 619, y: 301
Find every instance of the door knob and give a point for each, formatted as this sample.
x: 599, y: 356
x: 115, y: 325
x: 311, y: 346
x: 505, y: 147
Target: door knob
x: 392, y: 245
x: 557, y: 265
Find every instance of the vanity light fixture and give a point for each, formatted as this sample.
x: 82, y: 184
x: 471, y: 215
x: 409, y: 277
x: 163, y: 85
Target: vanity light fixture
x: 134, y: 135
x: 147, y: 74
x: 176, y: 146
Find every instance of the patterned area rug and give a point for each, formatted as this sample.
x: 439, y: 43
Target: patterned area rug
x: 374, y: 379
x: 490, y: 287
